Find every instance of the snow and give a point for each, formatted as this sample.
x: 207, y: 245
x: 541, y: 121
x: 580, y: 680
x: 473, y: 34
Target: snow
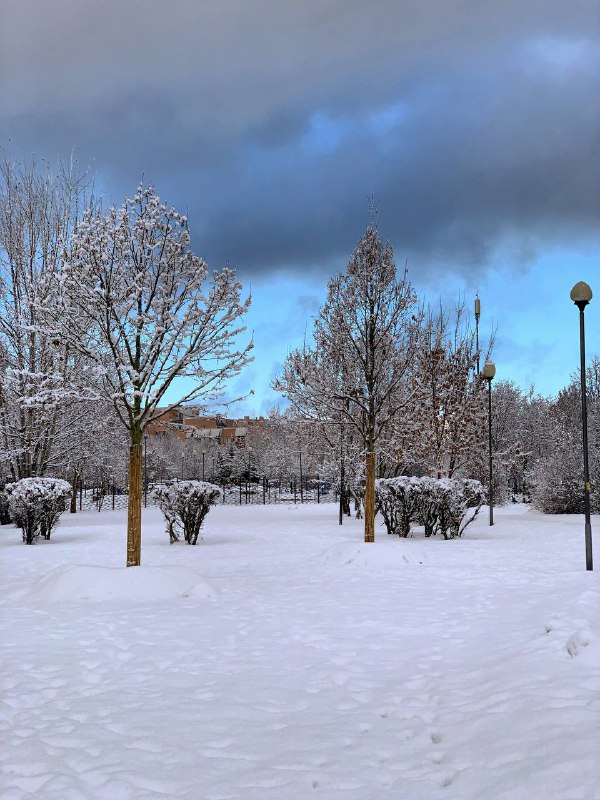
x: 76, y: 583
x: 283, y: 658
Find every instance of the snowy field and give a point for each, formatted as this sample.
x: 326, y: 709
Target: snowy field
x: 283, y: 659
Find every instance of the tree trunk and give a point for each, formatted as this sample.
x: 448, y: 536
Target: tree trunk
x: 74, y: 484
x: 134, y: 507
x: 370, y: 496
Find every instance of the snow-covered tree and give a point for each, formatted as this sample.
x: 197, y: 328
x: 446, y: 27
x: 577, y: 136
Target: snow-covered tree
x: 169, y: 455
x: 147, y: 319
x: 200, y: 457
x: 557, y: 473
x: 364, y: 339
x: 447, y: 424
x: 273, y: 446
x: 517, y: 437
x: 286, y: 446
x: 95, y: 450
x: 40, y: 375
x: 231, y: 462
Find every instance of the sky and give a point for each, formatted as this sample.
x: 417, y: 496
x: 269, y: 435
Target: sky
x: 473, y: 127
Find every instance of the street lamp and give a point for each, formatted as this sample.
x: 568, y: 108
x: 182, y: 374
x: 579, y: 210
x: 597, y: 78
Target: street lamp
x: 477, y: 316
x: 581, y: 294
x: 489, y: 370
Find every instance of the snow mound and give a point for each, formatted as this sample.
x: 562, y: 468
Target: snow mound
x: 98, y: 584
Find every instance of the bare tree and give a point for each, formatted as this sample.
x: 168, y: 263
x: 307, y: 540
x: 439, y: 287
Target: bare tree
x: 144, y: 318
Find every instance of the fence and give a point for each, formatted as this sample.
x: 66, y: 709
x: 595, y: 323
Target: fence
x: 262, y: 492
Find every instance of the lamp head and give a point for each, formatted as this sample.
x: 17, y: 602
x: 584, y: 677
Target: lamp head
x: 489, y: 370
x: 581, y: 294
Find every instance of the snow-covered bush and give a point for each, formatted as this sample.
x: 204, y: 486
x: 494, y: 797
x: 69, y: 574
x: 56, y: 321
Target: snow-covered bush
x: 35, y: 504
x: 440, y: 505
x: 397, y: 499
x: 185, y: 504
x: 455, y: 498
x: 385, y: 503
x: 428, y: 509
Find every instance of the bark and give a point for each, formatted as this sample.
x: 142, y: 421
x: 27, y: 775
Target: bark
x: 134, y: 507
x: 370, y: 496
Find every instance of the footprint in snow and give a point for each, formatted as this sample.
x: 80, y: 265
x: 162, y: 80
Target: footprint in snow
x: 577, y: 641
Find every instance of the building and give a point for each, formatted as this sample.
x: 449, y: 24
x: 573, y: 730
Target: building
x: 186, y: 422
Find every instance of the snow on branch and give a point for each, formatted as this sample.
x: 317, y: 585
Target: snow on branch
x: 145, y: 311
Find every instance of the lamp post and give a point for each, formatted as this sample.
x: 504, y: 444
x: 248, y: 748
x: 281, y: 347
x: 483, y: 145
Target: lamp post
x: 581, y: 294
x: 477, y: 315
x: 489, y: 370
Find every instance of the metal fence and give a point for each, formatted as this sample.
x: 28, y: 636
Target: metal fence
x: 263, y: 492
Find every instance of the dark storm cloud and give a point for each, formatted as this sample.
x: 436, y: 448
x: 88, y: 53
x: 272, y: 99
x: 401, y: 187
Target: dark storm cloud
x: 474, y: 125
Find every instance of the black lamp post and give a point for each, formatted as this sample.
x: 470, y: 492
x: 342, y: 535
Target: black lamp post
x: 581, y: 294
x: 477, y: 316
x: 489, y: 370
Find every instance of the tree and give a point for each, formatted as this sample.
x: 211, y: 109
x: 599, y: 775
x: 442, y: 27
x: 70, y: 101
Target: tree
x: 363, y: 347
x: 95, y: 450
x: 285, y: 446
x: 38, y: 372
x: 447, y: 425
x: 144, y: 319
x: 556, y: 475
x: 273, y: 443
x: 515, y: 428
x: 192, y: 457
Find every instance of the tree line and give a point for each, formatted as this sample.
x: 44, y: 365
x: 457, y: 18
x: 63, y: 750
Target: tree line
x: 103, y: 313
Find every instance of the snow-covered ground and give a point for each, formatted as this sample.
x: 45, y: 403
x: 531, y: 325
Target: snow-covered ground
x: 284, y: 659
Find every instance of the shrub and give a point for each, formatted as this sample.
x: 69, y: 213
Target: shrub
x: 440, y: 505
x: 455, y: 498
x: 35, y: 504
x: 185, y: 504
x: 398, y: 499
x: 385, y: 504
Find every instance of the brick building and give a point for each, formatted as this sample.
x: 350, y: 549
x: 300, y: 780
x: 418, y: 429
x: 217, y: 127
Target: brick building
x: 186, y: 422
